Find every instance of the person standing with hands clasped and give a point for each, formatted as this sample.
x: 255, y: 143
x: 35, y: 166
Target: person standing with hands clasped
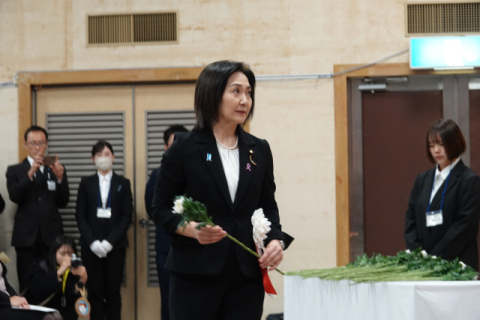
x: 104, y: 214
x: 39, y: 190
x: 444, y: 207
x: 231, y: 173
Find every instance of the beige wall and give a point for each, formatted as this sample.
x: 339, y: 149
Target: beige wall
x: 274, y: 36
x: 9, y: 149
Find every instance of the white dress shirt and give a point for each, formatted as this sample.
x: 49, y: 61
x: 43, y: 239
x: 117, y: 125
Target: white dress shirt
x: 231, y: 167
x: 440, y: 177
x: 105, y: 187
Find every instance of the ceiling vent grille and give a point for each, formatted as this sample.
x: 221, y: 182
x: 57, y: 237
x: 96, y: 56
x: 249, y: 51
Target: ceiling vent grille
x: 132, y: 29
x: 442, y: 18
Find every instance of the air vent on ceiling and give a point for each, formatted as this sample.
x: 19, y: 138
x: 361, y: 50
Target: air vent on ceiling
x: 442, y: 18
x: 128, y: 29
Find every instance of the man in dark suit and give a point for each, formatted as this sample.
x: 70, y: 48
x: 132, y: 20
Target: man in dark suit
x: 39, y: 190
x: 162, y: 243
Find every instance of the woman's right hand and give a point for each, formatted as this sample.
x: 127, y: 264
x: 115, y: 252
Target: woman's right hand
x: 21, y: 302
x: 206, y: 235
x: 209, y: 234
x: 66, y: 263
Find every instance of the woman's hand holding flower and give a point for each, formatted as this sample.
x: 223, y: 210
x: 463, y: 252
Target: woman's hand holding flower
x: 272, y: 256
x: 204, y: 235
x: 209, y: 234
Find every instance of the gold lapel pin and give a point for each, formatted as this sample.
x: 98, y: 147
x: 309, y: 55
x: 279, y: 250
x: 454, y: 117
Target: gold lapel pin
x: 250, y: 155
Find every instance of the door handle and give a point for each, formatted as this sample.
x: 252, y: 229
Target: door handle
x: 143, y: 222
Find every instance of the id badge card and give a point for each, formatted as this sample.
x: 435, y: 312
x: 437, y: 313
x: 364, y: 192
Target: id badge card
x: 434, y: 218
x: 52, y: 185
x: 104, y: 213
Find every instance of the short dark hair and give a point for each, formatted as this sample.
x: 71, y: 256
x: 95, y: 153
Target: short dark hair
x: 171, y: 130
x: 447, y: 132
x: 60, y: 241
x: 211, y: 84
x: 35, y: 129
x: 99, y: 146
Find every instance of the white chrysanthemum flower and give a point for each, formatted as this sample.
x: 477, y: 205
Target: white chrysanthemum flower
x: 463, y: 265
x: 261, y: 226
x: 424, y: 253
x: 408, y: 251
x: 434, y: 257
x: 178, y: 205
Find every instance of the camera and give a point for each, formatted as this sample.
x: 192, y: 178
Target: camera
x: 76, y: 262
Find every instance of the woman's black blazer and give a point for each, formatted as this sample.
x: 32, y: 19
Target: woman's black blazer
x: 114, y: 229
x: 187, y: 170
x: 457, y: 236
x: 5, y: 298
x: 43, y: 282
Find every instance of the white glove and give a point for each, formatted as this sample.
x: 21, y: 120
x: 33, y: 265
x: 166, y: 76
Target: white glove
x: 106, y: 246
x: 98, y: 249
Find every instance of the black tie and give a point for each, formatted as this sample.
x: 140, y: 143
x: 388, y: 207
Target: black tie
x: 39, y: 178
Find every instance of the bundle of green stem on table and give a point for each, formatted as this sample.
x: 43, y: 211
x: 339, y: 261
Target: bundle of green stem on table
x: 405, y: 266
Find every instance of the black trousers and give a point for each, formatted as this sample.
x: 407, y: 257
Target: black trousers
x: 26, y: 256
x: 104, y: 281
x: 164, y: 282
x: 227, y: 296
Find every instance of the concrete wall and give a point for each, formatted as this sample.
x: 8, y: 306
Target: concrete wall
x: 273, y: 36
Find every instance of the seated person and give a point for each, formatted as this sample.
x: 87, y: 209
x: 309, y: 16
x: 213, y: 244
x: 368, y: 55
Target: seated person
x: 9, y: 299
x: 55, y: 279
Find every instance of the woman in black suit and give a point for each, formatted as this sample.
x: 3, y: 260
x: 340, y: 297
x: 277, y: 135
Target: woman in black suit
x: 55, y: 279
x: 444, y: 207
x: 231, y: 172
x: 104, y: 214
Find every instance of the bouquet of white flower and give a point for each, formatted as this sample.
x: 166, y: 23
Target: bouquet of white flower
x: 194, y: 211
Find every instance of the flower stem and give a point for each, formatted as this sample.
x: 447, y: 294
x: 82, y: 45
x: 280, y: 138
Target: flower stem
x: 243, y: 246
x: 250, y: 250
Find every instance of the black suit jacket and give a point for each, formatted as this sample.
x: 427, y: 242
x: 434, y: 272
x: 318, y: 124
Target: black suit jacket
x: 2, y: 204
x: 4, y: 298
x: 457, y: 236
x: 113, y: 229
x: 185, y: 170
x: 37, y: 206
x: 162, y: 240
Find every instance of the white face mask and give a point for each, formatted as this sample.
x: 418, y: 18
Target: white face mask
x: 103, y: 163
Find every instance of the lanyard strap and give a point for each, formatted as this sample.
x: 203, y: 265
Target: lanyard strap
x: 65, y: 275
x: 443, y: 193
x: 109, y: 197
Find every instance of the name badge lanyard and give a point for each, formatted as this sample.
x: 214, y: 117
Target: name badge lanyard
x: 109, y: 198
x: 64, y: 284
x: 443, y: 193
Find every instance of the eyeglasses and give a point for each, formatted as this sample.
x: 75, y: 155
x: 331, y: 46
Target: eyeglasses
x: 37, y: 144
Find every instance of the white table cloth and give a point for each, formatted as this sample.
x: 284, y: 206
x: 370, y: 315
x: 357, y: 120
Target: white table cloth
x: 313, y: 298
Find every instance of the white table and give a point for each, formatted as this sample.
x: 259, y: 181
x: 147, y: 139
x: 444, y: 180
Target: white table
x: 312, y: 298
